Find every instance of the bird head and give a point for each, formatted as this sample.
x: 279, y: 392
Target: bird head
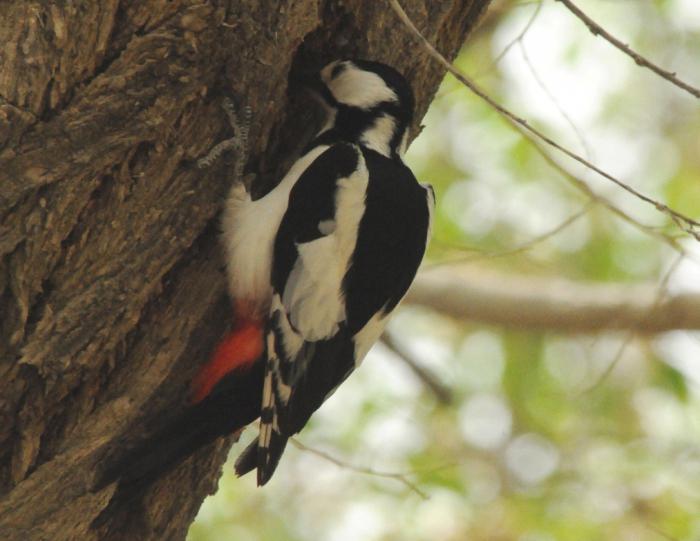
x: 366, y: 101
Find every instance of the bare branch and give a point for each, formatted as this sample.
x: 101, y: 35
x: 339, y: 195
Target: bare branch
x: 660, y: 295
x: 598, y: 30
x: 579, y: 183
x: 442, y: 393
x: 659, y: 531
x: 525, y: 246
x: 567, y: 118
x: 551, y: 304
x: 400, y: 477
x: 519, y: 38
x: 685, y: 223
x: 584, y: 188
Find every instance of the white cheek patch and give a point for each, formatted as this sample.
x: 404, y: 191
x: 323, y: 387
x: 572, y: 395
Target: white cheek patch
x: 358, y: 88
x: 380, y: 134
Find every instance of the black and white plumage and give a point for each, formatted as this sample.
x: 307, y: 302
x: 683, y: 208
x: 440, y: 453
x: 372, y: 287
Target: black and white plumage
x: 315, y: 267
x: 327, y: 255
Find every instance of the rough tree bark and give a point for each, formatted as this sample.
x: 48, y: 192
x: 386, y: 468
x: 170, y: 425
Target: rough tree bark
x: 111, y: 286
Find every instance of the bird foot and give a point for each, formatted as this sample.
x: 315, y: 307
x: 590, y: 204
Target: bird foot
x: 240, y: 123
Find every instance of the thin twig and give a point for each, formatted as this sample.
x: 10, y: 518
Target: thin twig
x: 527, y: 245
x: 547, y: 235
x: 400, y: 477
x: 579, y: 183
x: 611, y: 365
x: 494, y: 63
x: 521, y: 35
x: 598, y: 30
x: 520, y: 41
x: 567, y: 118
x: 659, y: 531
x: 442, y: 393
x: 685, y: 223
x: 660, y: 295
x: 584, y: 188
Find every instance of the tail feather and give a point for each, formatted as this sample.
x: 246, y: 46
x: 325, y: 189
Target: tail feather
x: 162, y: 451
x: 225, y: 397
x: 233, y: 404
x: 247, y: 461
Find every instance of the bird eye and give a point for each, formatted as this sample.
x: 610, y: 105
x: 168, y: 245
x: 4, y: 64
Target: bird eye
x: 338, y: 69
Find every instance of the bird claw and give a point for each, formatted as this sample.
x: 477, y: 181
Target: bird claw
x: 240, y: 124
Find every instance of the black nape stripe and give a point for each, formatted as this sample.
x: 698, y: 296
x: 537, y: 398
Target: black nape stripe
x: 338, y: 69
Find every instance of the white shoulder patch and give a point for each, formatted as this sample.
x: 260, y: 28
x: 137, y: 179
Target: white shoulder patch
x: 313, y: 295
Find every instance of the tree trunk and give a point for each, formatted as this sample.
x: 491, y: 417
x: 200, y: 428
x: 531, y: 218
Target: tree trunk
x: 111, y: 283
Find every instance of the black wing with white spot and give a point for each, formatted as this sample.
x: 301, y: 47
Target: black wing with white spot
x: 347, y: 249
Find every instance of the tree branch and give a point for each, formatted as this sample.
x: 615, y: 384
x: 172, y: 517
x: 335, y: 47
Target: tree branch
x: 685, y: 223
x: 554, y: 305
x: 400, y: 477
x: 598, y: 30
x: 442, y: 392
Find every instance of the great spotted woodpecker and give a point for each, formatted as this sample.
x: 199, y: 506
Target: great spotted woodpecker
x: 315, y: 267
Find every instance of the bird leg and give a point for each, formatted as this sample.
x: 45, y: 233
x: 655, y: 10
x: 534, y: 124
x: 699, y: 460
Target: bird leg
x: 240, y: 123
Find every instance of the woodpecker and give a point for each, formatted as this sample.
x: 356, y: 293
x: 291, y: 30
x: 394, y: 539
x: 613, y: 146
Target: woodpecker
x: 315, y: 267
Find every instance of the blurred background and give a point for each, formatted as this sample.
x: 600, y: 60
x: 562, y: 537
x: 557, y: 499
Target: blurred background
x: 532, y: 434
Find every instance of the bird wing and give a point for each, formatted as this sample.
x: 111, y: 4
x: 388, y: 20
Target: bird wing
x: 341, y: 264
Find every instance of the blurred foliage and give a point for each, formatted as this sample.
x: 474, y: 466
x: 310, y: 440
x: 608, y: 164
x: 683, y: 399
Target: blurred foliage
x: 549, y: 437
